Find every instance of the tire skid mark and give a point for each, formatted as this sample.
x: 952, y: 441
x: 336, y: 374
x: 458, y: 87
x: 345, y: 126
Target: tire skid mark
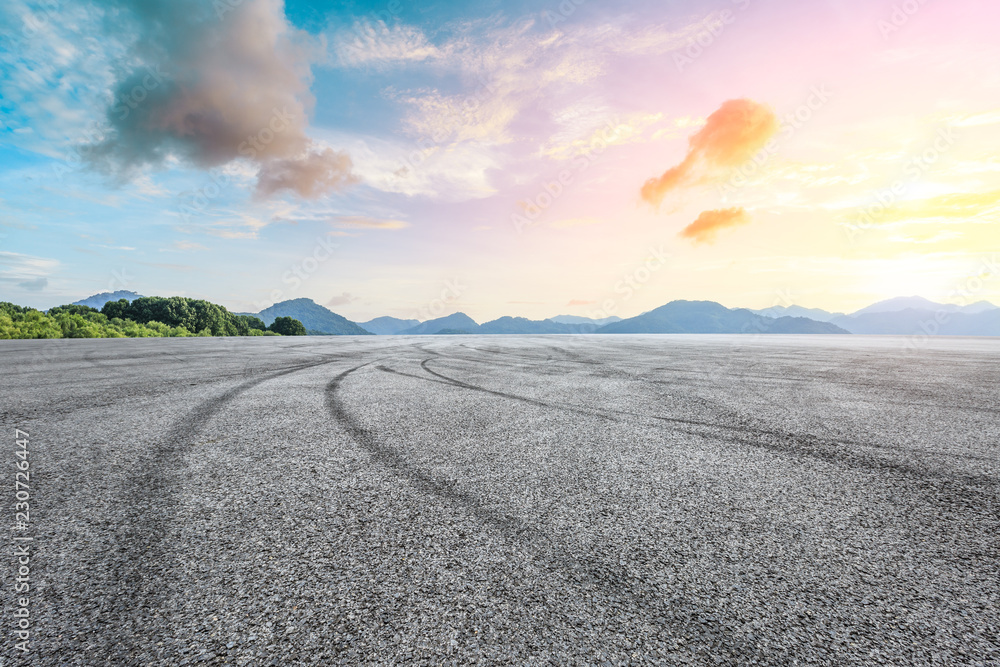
x: 153, y: 504
x: 523, y: 399
x: 614, y: 579
x: 569, y: 357
x: 971, y: 487
x: 391, y: 458
x: 812, y: 441
x: 979, y: 491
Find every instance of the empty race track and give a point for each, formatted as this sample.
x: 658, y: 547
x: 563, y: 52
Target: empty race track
x: 521, y: 500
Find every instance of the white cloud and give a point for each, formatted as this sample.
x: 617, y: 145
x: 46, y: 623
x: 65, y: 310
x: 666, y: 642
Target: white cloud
x: 27, y: 271
x: 375, y: 43
x: 454, y: 172
x: 366, y: 222
x: 507, y: 69
x: 55, y: 70
x: 510, y: 68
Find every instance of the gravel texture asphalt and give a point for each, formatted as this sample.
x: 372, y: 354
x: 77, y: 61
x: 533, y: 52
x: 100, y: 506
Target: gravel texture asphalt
x: 507, y: 500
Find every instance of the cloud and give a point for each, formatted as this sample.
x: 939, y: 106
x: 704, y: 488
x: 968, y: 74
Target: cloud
x: 341, y: 300
x: 36, y: 285
x: 963, y: 206
x: 708, y: 224
x: 363, y: 222
x: 54, y: 69
x: 512, y: 69
x: 731, y: 135
x: 587, y: 132
x: 376, y: 43
x: 243, y: 226
x: 210, y: 83
x: 26, y: 271
x: 308, y: 176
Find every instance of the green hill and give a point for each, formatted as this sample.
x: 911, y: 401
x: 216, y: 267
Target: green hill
x: 315, y: 318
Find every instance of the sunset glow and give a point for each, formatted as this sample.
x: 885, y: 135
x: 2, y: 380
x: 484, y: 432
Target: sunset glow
x: 827, y: 154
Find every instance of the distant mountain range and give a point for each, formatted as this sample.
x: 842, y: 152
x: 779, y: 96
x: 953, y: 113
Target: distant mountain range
x: 456, y: 323
x: 387, y: 326
x: 462, y: 323
x: 817, y: 314
x: 515, y: 325
x: 913, y: 322
x: 902, y: 316
x: 576, y: 319
x: 315, y: 318
x: 675, y: 317
x: 899, y: 304
x: 917, y: 316
x: 907, y: 316
x: 98, y: 300
x: 699, y: 317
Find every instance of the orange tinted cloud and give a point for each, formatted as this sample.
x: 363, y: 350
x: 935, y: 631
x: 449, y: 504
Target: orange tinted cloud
x: 732, y: 135
x: 708, y: 224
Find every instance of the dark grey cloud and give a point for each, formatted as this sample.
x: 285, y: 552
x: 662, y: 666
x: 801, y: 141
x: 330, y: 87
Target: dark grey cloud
x: 213, y: 82
x: 308, y: 176
x: 36, y: 285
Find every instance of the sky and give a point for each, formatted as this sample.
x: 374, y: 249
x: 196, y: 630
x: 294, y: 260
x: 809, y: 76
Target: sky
x: 414, y: 159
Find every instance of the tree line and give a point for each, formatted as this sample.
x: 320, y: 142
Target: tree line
x: 145, y: 317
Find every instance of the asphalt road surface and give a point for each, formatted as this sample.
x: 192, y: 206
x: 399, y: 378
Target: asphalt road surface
x: 506, y: 500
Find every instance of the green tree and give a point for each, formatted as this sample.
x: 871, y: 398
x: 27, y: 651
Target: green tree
x: 142, y: 318
x: 22, y: 322
x: 72, y: 309
x: 113, y: 309
x: 287, y: 326
x: 247, y: 324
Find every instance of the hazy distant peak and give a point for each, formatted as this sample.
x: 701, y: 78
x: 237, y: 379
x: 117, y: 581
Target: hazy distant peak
x: 316, y: 318
x: 817, y: 314
x: 454, y: 323
x: 98, y: 300
x: 902, y: 303
x: 387, y: 326
x: 576, y: 319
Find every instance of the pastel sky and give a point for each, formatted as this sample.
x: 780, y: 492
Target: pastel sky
x: 414, y: 158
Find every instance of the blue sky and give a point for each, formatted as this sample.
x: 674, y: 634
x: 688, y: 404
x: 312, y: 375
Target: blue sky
x: 407, y: 147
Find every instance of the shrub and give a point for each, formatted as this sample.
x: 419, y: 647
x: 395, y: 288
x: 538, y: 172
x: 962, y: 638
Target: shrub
x: 287, y: 326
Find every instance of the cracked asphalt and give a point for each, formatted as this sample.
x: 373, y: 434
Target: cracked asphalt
x: 679, y: 500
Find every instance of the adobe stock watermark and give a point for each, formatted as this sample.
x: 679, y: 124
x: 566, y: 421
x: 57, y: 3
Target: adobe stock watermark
x: 966, y: 293
x: 223, y: 7
x: 913, y: 170
x: 450, y: 294
x: 426, y: 146
x: 901, y: 15
x: 791, y: 122
x: 93, y: 134
x: 122, y: 106
x: 302, y: 270
x: 563, y: 11
x: 631, y: 283
x: 251, y: 148
x: 44, y: 15
x: 22, y: 543
x: 126, y: 103
x: 554, y: 188
x: 705, y: 38
x: 120, y: 279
